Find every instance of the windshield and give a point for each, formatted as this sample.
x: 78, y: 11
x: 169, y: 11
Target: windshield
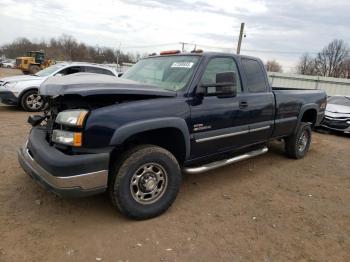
x: 49, y: 70
x: 168, y: 72
x: 339, y: 100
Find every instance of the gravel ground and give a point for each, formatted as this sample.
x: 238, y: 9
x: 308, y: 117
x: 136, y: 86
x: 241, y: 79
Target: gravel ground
x: 269, y: 208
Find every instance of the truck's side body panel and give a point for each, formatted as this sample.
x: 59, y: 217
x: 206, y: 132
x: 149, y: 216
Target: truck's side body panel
x: 290, y: 106
x: 215, y: 124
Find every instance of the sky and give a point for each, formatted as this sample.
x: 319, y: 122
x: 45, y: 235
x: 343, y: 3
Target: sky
x: 274, y: 29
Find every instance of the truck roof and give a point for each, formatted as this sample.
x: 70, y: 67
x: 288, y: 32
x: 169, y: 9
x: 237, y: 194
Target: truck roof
x: 205, y: 54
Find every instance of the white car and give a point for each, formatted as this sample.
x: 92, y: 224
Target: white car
x: 337, y: 115
x: 22, y: 90
x: 8, y: 63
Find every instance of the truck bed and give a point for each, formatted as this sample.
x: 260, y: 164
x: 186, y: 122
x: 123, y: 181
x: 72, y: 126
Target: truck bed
x: 289, y: 102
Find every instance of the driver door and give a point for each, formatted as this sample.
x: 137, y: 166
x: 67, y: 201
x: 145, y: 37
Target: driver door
x: 218, y: 123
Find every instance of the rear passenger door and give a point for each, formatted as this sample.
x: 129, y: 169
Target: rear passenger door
x: 258, y: 100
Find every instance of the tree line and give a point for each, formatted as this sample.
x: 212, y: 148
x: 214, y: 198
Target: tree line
x: 67, y: 48
x: 333, y: 61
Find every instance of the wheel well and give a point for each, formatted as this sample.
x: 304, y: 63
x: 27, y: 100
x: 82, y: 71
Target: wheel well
x: 310, y: 116
x: 171, y: 139
x: 25, y: 91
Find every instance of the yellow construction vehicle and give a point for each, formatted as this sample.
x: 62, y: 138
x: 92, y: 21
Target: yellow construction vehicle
x: 33, y: 62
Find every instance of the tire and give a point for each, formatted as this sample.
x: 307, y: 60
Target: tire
x: 33, y: 69
x: 144, y: 182
x: 31, y: 101
x: 297, y: 145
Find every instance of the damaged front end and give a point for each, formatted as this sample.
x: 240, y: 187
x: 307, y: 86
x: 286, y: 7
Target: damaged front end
x: 70, y: 95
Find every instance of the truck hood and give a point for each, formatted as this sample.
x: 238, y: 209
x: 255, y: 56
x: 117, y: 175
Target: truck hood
x: 86, y: 84
x: 21, y: 78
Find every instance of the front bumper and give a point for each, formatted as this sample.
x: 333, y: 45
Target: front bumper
x: 65, y: 175
x: 7, y: 97
x: 336, y: 124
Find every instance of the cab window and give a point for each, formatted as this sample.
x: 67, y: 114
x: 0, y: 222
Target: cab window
x: 220, y: 65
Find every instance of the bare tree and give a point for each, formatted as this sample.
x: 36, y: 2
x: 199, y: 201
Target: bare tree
x: 306, y: 65
x: 346, y: 69
x: 68, y: 44
x: 273, y: 66
x: 330, y: 60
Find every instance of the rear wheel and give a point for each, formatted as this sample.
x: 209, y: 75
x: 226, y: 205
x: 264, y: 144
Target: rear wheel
x: 31, y: 101
x: 297, y: 145
x: 145, y: 182
x: 33, y: 69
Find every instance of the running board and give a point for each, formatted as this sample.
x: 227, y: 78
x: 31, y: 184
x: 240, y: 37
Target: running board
x: 225, y: 162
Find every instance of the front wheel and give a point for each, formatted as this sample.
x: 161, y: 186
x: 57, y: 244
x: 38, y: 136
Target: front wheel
x: 31, y: 101
x: 33, y: 69
x: 145, y: 182
x: 297, y: 145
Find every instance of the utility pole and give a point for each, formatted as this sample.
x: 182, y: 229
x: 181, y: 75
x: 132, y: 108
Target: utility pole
x: 240, y: 39
x: 118, y: 54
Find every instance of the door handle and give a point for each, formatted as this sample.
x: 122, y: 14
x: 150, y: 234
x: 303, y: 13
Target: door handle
x: 243, y: 104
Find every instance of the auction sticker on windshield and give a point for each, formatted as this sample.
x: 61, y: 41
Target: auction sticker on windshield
x: 182, y: 64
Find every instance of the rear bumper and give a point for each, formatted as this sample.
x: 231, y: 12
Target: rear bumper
x: 8, y: 98
x: 64, y: 175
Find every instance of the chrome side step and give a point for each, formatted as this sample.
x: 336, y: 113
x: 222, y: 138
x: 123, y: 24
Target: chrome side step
x: 225, y: 162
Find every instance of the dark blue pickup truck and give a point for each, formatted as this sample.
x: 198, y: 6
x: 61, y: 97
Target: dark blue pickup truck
x: 135, y: 135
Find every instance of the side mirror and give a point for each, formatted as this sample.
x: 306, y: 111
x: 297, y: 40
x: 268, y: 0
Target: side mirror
x: 120, y: 74
x: 59, y: 74
x: 224, y: 86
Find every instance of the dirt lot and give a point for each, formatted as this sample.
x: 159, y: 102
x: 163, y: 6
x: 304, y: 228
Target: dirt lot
x: 9, y: 72
x: 265, y: 209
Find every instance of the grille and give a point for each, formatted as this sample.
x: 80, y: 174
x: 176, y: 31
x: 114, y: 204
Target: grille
x: 50, y: 124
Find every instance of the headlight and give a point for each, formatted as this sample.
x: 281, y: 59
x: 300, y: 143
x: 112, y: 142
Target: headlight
x: 67, y: 138
x: 72, y: 117
x: 10, y: 84
x: 348, y: 122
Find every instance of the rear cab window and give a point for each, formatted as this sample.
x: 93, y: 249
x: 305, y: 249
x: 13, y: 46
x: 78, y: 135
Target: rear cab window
x: 256, y: 81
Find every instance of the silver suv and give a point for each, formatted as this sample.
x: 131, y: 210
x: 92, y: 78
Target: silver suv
x: 22, y: 90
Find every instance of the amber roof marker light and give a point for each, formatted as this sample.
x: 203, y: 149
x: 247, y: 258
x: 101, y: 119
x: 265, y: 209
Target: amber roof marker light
x: 170, y: 52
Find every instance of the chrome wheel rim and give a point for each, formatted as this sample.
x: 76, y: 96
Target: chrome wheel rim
x: 34, y: 101
x: 148, y: 183
x: 302, y: 142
